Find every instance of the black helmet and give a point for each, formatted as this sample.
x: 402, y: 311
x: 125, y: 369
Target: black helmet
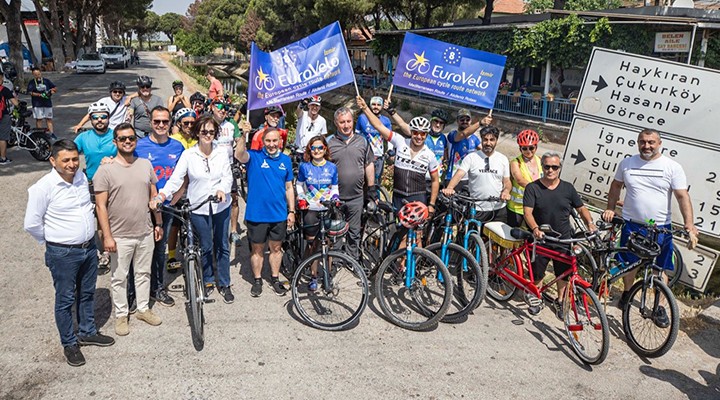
x: 144, y: 80
x: 197, y: 96
x: 117, y: 85
x: 177, y: 83
x: 440, y: 114
x: 273, y: 109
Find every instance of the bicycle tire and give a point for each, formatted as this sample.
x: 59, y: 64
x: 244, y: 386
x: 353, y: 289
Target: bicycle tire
x: 428, y: 298
x: 335, y: 308
x: 678, y: 268
x: 583, y: 316
x: 194, y: 304
x: 641, y: 327
x: 497, y: 287
x: 373, y: 237
x: 468, y: 280
x: 383, y: 194
x: 43, y: 149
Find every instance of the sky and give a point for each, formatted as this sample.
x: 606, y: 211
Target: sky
x: 161, y: 7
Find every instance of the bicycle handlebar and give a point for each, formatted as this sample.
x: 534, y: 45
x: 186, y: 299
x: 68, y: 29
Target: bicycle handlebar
x: 187, y: 208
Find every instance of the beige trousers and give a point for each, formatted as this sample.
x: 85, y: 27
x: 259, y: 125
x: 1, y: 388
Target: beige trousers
x: 139, y: 251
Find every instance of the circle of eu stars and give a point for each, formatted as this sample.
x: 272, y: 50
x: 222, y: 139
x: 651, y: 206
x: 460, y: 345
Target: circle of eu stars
x: 452, y: 55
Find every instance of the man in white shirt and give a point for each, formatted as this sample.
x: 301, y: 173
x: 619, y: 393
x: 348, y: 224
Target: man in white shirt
x: 309, y: 122
x: 488, y: 175
x: 60, y: 215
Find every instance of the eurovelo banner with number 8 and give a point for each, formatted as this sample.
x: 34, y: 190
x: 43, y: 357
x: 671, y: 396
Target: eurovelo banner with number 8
x: 310, y: 66
x: 446, y: 70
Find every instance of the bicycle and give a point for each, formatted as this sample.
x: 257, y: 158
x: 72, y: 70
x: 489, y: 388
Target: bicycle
x: 650, y: 317
x: 513, y: 250
x: 192, y: 270
x: 412, y: 284
x: 329, y: 288
x: 34, y: 140
x: 378, y: 225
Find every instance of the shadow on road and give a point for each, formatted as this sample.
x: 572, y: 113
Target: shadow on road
x: 710, y: 389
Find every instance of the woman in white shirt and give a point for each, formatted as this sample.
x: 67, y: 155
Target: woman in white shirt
x: 208, y: 171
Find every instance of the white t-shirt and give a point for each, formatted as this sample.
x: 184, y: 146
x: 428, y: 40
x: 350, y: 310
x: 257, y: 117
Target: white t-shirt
x: 486, y: 179
x: 226, y: 138
x: 649, y: 186
x: 307, y: 129
x: 119, y: 116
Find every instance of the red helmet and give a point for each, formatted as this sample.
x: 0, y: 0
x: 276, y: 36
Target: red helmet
x: 413, y: 214
x: 528, y: 137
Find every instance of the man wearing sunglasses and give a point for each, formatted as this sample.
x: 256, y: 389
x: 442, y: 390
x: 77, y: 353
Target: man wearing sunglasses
x: 309, y: 122
x: 372, y: 135
x: 123, y: 189
x: 463, y: 142
x: 163, y: 153
x: 141, y: 105
x: 115, y: 103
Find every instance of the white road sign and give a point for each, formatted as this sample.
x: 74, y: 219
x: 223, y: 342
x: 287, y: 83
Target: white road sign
x: 594, y: 151
x: 647, y: 92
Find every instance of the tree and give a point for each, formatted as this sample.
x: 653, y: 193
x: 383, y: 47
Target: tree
x: 48, y: 26
x: 11, y: 14
x: 170, y: 24
x: 195, y: 44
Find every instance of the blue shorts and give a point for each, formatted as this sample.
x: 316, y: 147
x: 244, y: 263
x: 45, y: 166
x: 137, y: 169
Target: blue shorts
x: 664, y: 260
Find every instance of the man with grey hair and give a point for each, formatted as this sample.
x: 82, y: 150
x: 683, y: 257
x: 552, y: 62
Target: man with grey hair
x: 650, y: 178
x: 550, y: 201
x: 354, y: 159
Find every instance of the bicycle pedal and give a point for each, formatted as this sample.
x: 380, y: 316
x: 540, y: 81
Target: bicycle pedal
x: 207, y: 301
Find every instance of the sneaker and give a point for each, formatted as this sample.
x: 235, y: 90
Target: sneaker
x: 74, y: 356
x: 97, y: 339
x: 226, y: 294
x: 256, y: 289
x: 133, y: 307
x: 149, y: 316
x: 279, y: 288
x: 121, y: 326
x: 660, y: 317
x: 624, y: 299
x: 234, y: 238
x: 313, y: 285
x: 558, y: 307
x: 173, y: 264
x: 163, y: 298
x: 5, y: 161
x: 103, y: 259
x: 209, y: 287
x: 535, y: 304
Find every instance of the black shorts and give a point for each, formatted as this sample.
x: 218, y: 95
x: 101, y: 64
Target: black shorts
x: 540, y: 265
x: 495, y: 215
x: 514, y: 219
x: 399, y: 200
x: 263, y: 231
x: 311, y: 223
x: 5, y: 127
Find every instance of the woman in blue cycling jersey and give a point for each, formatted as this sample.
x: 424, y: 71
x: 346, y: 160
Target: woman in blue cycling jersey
x: 317, y: 182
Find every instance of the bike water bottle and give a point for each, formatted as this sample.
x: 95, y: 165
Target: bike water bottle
x: 616, y: 267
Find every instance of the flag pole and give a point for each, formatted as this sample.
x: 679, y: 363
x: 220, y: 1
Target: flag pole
x: 389, y: 96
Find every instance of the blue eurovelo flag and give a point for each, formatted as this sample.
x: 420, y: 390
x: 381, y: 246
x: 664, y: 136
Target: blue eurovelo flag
x: 310, y: 66
x: 449, y: 71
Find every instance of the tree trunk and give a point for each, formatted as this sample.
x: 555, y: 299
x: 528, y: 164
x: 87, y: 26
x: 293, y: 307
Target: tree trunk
x: 67, y: 29
x: 13, y: 22
x: 487, y: 17
x: 51, y: 28
x: 30, y: 46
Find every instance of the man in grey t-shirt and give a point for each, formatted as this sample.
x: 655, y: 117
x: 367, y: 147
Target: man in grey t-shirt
x: 141, y: 104
x: 354, y: 159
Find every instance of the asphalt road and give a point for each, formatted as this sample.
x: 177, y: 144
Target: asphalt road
x: 257, y: 348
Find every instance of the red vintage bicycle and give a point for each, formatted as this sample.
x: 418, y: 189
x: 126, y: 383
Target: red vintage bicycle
x: 510, y: 253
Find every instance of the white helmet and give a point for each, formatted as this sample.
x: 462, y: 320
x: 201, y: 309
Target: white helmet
x: 98, y: 108
x: 420, y: 124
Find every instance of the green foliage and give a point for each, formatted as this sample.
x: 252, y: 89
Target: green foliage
x: 712, y: 57
x: 195, y: 44
x: 198, y: 74
x: 387, y: 45
x: 220, y: 20
x: 535, y: 6
x: 170, y: 24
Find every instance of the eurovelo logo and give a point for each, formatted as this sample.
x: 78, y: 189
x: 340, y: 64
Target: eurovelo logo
x: 290, y: 75
x: 423, y: 66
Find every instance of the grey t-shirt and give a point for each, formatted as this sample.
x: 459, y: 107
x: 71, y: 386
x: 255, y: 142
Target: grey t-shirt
x: 128, y: 190
x: 141, y: 112
x: 351, y: 157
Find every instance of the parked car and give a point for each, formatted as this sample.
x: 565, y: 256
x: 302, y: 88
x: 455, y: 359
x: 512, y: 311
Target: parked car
x: 115, y: 56
x: 90, y: 62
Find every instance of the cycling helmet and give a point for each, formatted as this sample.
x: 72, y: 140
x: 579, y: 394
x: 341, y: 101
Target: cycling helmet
x: 197, y: 96
x: 419, y: 124
x: 273, y: 109
x: 98, y: 108
x: 440, y: 114
x: 117, y: 85
x: 177, y: 83
x: 144, y: 80
x: 413, y: 214
x: 336, y: 227
x: 528, y: 137
x: 642, y: 246
x: 184, y: 113
x: 315, y: 100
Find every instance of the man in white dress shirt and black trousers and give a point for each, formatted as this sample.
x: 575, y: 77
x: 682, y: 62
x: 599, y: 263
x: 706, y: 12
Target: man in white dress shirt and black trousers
x: 60, y: 215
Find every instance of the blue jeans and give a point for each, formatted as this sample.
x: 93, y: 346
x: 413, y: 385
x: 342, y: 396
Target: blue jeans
x: 157, y: 268
x: 212, y: 232
x: 74, y: 273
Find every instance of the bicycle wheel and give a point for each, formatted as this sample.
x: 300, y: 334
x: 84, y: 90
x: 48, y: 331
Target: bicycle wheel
x: 468, y: 280
x: 678, y: 267
x: 425, y: 302
x: 499, y: 258
x: 333, y: 307
x: 370, y: 246
x: 587, y: 266
x: 194, y: 305
x: 651, y: 318
x: 586, y: 324
x: 42, y: 151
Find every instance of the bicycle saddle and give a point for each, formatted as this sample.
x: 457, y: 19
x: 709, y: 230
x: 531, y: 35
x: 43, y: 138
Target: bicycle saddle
x: 501, y: 233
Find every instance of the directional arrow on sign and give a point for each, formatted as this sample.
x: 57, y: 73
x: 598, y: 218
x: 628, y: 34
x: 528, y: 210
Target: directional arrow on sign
x: 599, y: 84
x: 579, y: 157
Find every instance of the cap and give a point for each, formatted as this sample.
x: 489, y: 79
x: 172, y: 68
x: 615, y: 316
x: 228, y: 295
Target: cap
x: 463, y: 112
x: 377, y: 99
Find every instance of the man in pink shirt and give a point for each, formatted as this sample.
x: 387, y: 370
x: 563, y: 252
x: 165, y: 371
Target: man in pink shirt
x: 216, y: 89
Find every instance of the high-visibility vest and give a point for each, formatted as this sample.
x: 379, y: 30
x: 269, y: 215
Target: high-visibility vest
x: 516, y: 194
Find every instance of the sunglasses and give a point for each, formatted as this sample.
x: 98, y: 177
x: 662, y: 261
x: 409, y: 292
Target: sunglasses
x: 419, y: 133
x: 205, y: 132
x: 317, y: 148
x: 437, y: 121
x: 220, y: 106
x: 97, y: 117
x: 187, y: 124
x: 551, y: 167
x: 161, y: 121
x: 464, y: 119
x: 145, y: 87
x: 527, y: 148
x: 118, y: 92
x: 123, y: 139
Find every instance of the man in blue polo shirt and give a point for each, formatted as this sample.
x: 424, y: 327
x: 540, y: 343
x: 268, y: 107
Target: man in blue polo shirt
x: 364, y: 128
x: 270, y: 204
